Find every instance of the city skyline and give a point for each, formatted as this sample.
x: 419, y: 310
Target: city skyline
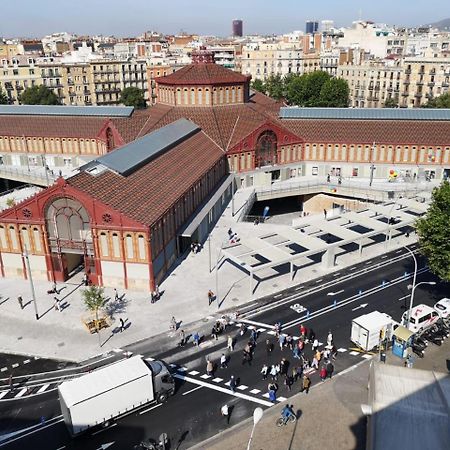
x: 203, y: 17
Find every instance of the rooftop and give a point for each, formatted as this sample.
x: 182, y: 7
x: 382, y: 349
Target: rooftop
x: 55, y: 110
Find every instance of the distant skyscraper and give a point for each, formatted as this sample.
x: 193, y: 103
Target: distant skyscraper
x: 326, y: 25
x: 312, y: 26
x: 237, y: 28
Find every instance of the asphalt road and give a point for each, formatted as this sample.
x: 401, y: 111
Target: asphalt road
x: 193, y: 414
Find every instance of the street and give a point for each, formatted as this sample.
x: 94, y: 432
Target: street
x: 193, y: 413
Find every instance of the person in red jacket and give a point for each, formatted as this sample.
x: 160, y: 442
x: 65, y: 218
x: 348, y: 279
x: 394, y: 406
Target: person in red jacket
x: 323, y: 373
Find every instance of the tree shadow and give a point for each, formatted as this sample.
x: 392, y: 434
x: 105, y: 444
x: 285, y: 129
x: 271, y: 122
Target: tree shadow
x: 116, y: 306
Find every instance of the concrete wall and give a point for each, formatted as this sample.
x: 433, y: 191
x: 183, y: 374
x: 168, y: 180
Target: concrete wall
x: 316, y: 203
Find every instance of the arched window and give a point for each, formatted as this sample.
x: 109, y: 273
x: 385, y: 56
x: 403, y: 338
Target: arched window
x: 13, y: 237
x: 141, y: 247
x: 104, y: 244
x: 37, y: 239
x: 116, y: 245
x: 109, y: 139
x: 129, y: 246
x: 266, y: 149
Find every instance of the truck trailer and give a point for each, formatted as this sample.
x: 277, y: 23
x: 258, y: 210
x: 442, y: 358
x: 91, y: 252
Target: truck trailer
x: 105, y: 394
x: 370, y: 329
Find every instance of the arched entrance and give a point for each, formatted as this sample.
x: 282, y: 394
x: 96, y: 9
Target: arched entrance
x: 266, y: 149
x: 70, y: 239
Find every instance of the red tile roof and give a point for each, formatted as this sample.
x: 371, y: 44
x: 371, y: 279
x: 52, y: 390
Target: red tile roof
x: 146, y: 194
x: 204, y: 74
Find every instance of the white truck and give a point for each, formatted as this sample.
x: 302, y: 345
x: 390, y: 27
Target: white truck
x: 369, y: 329
x: 115, y: 390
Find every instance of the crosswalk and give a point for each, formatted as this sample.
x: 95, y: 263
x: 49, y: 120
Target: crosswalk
x: 26, y: 391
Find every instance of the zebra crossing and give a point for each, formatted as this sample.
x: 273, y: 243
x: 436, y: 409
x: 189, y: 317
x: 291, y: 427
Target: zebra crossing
x: 26, y: 391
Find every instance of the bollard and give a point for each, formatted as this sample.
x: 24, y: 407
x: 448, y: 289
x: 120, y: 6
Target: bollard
x: 42, y: 420
x: 307, y: 313
x: 360, y: 292
x: 406, y: 274
x: 382, y: 283
x: 335, y: 303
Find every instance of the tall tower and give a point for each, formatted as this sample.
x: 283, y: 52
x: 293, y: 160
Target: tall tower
x: 237, y: 28
x: 312, y: 26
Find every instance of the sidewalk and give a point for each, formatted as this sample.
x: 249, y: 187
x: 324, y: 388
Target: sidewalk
x: 330, y: 415
x: 62, y: 335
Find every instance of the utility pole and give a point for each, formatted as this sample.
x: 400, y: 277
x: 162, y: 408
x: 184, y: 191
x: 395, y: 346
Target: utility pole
x: 44, y: 162
x: 33, y: 294
x: 372, y: 167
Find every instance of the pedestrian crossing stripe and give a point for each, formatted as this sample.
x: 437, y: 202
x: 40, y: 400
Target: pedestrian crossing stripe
x: 281, y: 399
x: 42, y: 388
x: 354, y: 353
x: 3, y: 393
x: 261, y: 330
x: 366, y: 356
x: 271, y: 332
x: 242, y: 387
x: 342, y: 350
x: 21, y: 392
x: 255, y: 391
x: 227, y: 383
x: 193, y: 372
x: 3, y: 369
x: 205, y: 376
x: 172, y: 365
x: 266, y: 395
x: 217, y: 380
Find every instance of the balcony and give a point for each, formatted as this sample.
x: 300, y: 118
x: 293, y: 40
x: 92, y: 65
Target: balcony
x: 408, y: 71
x: 405, y: 94
x: 445, y: 84
x: 70, y: 82
x: 419, y: 83
x: 72, y: 94
x: 431, y: 84
x: 418, y: 95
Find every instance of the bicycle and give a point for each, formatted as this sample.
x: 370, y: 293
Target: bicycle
x: 282, y: 421
x: 147, y: 445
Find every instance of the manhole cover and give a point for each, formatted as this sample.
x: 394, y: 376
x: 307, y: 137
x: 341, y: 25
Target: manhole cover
x: 19, y: 338
x: 61, y: 344
x: 274, y: 285
x: 234, y: 299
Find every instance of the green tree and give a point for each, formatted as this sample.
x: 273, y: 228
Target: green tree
x: 133, y: 96
x: 434, y: 232
x: 390, y: 103
x: 94, y: 299
x: 39, y: 95
x: 296, y: 90
x: 334, y: 94
x: 3, y: 98
x: 314, y: 84
x: 443, y: 101
x: 274, y: 87
x: 258, y: 85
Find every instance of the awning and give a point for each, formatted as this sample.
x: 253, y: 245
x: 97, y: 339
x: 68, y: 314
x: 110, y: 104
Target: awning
x: 402, y: 333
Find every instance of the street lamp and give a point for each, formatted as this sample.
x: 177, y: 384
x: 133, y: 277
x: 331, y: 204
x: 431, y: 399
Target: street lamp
x: 33, y: 294
x: 414, y: 285
x: 257, y: 415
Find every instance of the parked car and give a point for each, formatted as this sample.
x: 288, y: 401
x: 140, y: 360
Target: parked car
x: 442, y: 307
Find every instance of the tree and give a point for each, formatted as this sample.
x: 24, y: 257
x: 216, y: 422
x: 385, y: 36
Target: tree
x: 39, y: 95
x: 258, y: 85
x: 274, y: 87
x: 334, y: 93
x: 133, y: 96
x: 94, y: 299
x: 434, y: 232
x: 390, y: 103
x: 442, y: 101
x: 314, y: 84
x: 296, y: 90
x: 3, y: 98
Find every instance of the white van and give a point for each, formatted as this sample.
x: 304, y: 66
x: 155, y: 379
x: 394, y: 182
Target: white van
x: 422, y: 317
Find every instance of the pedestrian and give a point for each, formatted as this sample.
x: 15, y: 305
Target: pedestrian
x: 284, y: 364
x: 306, y: 384
x: 20, y: 300
x: 242, y: 329
x: 57, y: 305
x: 323, y: 373
x: 157, y: 293
x: 225, y: 413
x: 264, y: 371
x: 326, y: 354
x: 303, y: 330
x: 318, y: 355
x: 183, y: 338
x: 85, y: 279
x: 340, y: 180
x: 298, y: 372
x: 196, y: 339
x: 215, y: 333
x: 122, y: 324
x: 269, y: 347
x: 330, y: 369
x: 223, y: 361
x: 329, y: 339
x: 315, y: 345
x: 289, y: 341
x: 230, y: 233
x: 315, y: 363
x: 247, y: 358
x: 328, y: 178
x: 254, y: 336
x: 173, y: 324
x: 273, y: 372
x: 116, y: 295
x: 281, y: 341
x: 233, y: 384
x: 296, y: 352
x: 288, y: 380
x: 311, y: 335
x: 300, y: 345
x: 272, y: 395
x: 209, y: 367
x: 230, y: 343
x: 152, y: 297
x: 210, y: 297
x: 277, y: 329
x: 334, y: 352
x: 10, y: 382
x: 325, y: 213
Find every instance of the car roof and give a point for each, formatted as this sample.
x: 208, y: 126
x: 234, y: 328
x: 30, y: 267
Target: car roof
x: 444, y: 300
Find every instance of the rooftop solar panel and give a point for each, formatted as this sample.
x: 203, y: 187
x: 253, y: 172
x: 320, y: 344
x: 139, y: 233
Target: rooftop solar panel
x: 54, y: 110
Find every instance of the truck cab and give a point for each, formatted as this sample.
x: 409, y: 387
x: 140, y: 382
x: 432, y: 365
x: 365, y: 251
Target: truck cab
x: 163, y: 381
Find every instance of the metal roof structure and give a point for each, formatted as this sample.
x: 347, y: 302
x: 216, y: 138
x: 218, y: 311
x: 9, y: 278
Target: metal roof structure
x: 138, y: 153
x: 57, y: 110
x: 295, y: 112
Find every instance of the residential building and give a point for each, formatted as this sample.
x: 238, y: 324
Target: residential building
x: 237, y: 28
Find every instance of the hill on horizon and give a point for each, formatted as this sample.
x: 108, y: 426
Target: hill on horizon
x: 443, y: 24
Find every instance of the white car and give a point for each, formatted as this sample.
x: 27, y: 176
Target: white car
x: 442, y: 307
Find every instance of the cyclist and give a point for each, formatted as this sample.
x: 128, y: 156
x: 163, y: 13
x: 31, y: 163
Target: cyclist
x: 286, y: 412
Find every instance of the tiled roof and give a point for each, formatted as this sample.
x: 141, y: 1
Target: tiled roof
x: 412, y: 132
x: 204, y: 74
x: 147, y: 193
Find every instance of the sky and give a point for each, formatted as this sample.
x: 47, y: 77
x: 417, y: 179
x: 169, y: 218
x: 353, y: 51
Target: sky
x: 36, y: 18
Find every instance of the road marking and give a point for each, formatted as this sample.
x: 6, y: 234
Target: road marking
x: 251, y: 327
x: 173, y: 365
x: 362, y: 305
x: 3, y: 369
x: 15, y: 365
x: 21, y: 392
x: 242, y: 387
x: 192, y: 390
x: 258, y: 324
x: 367, y: 356
x: 403, y: 298
x: 255, y: 391
x: 261, y: 330
x: 205, y: 376
x: 104, y: 429
x: 281, y: 399
x: 300, y: 287
x: 118, y: 350
x: 383, y: 257
x: 368, y: 262
x: 183, y: 369
x: 336, y: 274
x: 217, y: 380
x: 353, y: 268
x: 272, y: 333
x: 224, y: 390
x: 354, y: 353
x: 61, y: 448
x: 336, y: 293
x: 318, y: 281
x: 26, y: 361
x: 2, y: 394
x: 35, y: 429
x: 278, y: 296
x: 342, y: 350
x: 399, y: 251
x: 42, y: 388
x: 149, y: 409
x: 193, y: 372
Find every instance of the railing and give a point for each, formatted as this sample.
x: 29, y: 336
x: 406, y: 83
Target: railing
x: 247, y: 206
x: 36, y: 175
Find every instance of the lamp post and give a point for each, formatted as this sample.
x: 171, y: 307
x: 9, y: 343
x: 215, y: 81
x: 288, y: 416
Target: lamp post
x: 257, y: 415
x: 372, y: 166
x: 414, y: 285
x: 30, y: 277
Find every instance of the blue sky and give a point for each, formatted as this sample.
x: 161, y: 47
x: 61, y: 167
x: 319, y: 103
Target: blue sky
x: 131, y: 17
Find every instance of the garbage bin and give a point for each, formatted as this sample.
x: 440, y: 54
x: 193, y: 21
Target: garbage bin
x: 383, y: 357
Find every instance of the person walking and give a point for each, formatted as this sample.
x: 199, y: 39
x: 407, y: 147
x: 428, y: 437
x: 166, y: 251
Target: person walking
x: 20, y: 300
x: 289, y: 342
x: 328, y: 178
x: 315, y: 363
x: 306, y: 384
x: 272, y: 395
x: 116, y: 295
x: 301, y: 345
x: 318, y: 355
x: 122, y: 324
x: 173, y: 324
x: 269, y: 347
x: 215, y: 333
x: 329, y: 338
x: 225, y: 413
x: 196, y: 339
x: 209, y: 367
x: 281, y: 341
x: 296, y: 352
x: 230, y: 343
x: 288, y: 381
x: 273, y: 372
x: 297, y: 373
x: 330, y: 369
x: 323, y: 373
x: 10, y: 382
x: 57, y: 305
x: 223, y: 361
x: 284, y: 364
x: 315, y: 345
x: 182, y: 338
x: 253, y: 336
x: 210, y: 297
x: 303, y: 330
x: 247, y: 358
x: 233, y: 384
x: 264, y: 371
x: 325, y: 213
x: 311, y: 335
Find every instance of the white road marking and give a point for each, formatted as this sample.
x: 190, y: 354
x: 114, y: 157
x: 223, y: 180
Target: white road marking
x: 149, y: 409
x: 261, y: 330
x: 258, y: 324
x: 61, y: 448
x: 21, y: 392
x: 352, y: 268
x: 300, y: 287
x: 266, y: 395
x: 271, y: 332
x: 278, y: 296
x: 281, y: 399
x: 217, y: 380
x: 251, y: 327
x: 368, y: 262
x: 193, y: 372
x: 118, y: 350
x: 2, y: 394
x: 354, y: 353
x: 104, y: 429
x: 318, y: 281
x: 255, y: 391
x: 336, y: 274
x: 336, y: 293
x: 26, y: 361
x: 224, y: 390
x: 367, y: 356
x: 183, y: 369
x: 3, y: 369
x: 15, y: 365
x: 399, y: 251
x: 341, y: 350
x: 242, y: 387
x: 173, y: 365
x: 403, y: 298
x: 383, y: 257
x: 43, y: 388
x: 192, y: 390
x: 205, y: 376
